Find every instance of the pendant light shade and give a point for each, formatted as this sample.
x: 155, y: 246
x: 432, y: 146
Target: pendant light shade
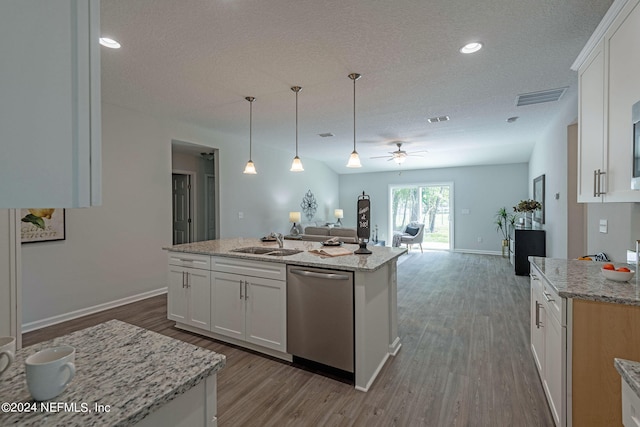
x: 250, y: 168
x: 296, y: 165
x: 354, y: 159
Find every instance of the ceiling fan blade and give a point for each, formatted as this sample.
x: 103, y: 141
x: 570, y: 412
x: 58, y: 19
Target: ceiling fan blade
x: 379, y: 157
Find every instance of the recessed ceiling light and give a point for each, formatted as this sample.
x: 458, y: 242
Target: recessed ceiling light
x: 471, y: 47
x: 110, y: 43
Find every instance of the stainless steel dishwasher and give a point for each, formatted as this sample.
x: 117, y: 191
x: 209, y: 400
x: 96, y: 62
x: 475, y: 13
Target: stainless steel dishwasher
x: 320, y: 316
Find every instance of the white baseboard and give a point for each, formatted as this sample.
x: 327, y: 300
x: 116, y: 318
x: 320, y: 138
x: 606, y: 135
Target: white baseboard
x: 475, y: 251
x: 50, y: 321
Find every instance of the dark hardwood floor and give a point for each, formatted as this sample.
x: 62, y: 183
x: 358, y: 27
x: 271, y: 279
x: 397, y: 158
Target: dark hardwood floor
x: 465, y: 359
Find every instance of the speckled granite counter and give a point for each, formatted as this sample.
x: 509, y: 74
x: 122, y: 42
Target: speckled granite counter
x: 583, y: 280
x: 630, y: 372
x: 380, y: 254
x: 133, y: 370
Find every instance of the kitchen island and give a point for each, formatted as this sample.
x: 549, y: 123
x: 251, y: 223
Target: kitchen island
x: 125, y: 375
x: 240, y: 297
x: 580, y: 323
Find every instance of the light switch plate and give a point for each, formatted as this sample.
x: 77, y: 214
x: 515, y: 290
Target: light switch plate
x: 603, y: 226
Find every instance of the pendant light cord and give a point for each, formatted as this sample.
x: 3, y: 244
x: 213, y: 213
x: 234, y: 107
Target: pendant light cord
x: 250, y: 99
x: 297, y: 122
x: 354, y: 77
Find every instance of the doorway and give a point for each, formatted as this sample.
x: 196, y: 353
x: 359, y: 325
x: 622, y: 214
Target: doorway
x: 429, y: 204
x: 182, y: 206
x: 195, y: 192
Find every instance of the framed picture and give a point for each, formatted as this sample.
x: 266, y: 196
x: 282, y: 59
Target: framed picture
x: 538, y: 195
x: 42, y: 225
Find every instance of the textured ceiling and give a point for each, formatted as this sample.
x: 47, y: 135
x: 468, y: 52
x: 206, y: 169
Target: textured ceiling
x: 196, y: 60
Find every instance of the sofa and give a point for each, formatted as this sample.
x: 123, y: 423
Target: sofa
x: 322, y: 233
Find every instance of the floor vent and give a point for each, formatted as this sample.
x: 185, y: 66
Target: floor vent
x: 540, y: 97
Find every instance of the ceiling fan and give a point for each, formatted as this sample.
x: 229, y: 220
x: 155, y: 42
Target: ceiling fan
x: 399, y: 156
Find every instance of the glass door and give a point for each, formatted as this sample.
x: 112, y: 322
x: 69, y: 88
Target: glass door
x: 428, y: 204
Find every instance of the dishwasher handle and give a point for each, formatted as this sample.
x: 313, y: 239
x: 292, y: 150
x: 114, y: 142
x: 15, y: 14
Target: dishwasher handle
x: 329, y: 276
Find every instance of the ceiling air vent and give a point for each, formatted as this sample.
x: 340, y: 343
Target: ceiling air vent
x: 540, y: 97
x: 438, y: 119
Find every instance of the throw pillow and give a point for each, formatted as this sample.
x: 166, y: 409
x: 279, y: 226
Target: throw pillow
x: 411, y: 230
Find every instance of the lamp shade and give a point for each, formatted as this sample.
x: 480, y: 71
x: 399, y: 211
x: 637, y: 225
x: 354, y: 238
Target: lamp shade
x: 338, y: 213
x: 354, y: 160
x: 294, y: 217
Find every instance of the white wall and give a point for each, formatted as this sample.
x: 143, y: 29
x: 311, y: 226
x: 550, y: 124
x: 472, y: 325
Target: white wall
x: 115, y: 251
x: 550, y: 157
x: 623, y: 229
x: 480, y: 189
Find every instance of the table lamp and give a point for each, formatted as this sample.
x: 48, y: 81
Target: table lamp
x: 294, y: 217
x: 338, y: 213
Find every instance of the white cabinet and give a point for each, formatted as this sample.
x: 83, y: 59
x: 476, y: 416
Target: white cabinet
x: 591, y: 119
x: 251, y: 309
x: 247, y: 306
x: 608, y: 87
x: 623, y: 47
x: 50, y: 118
x: 189, y: 290
x: 630, y: 406
x: 549, y: 343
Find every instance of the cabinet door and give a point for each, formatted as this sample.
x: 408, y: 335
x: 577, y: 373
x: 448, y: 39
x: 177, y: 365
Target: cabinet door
x: 227, y: 304
x: 199, y: 286
x: 623, y: 44
x: 591, y: 119
x: 538, y: 321
x: 553, y: 364
x: 177, y: 298
x: 50, y: 103
x: 266, y: 311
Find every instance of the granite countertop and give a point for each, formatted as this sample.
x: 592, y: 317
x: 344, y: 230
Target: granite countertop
x: 583, y: 280
x: 630, y: 372
x: 379, y: 257
x: 133, y: 370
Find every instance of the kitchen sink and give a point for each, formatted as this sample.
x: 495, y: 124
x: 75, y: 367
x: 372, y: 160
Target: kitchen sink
x: 260, y: 250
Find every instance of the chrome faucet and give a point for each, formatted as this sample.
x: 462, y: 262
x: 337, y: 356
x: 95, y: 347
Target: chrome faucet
x: 279, y: 238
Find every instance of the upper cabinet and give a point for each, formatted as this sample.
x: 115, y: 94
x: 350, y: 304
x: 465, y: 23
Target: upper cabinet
x: 608, y: 70
x: 50, y: 115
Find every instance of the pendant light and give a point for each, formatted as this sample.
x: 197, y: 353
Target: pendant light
x: 354, y: 159
x: 296, y: 165
x: 250, y: 168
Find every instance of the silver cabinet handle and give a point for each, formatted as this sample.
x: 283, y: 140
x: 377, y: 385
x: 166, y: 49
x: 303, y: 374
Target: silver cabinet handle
x: 547, y: 296
x: 246, y: 293
x: 538, y: 325
x: 241, y: 283
x: 330, y: 276
x: 183, y: 280
x: 595, y: 185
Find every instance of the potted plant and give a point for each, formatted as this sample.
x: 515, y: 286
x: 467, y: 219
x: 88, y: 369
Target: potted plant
x: 502, y: 222
x: 527, y: 207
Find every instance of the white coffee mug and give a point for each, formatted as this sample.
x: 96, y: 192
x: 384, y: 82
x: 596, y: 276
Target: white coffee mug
x: 49, y: 371
x: 7, y: 352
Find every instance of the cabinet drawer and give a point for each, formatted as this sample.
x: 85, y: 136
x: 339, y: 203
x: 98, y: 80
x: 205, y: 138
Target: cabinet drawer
x: 554, y: 305
x: 268, y: 270
x: 183, y: 259
x: 630, y: 406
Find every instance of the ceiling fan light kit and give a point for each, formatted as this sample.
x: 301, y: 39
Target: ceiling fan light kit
x: 400, y: 155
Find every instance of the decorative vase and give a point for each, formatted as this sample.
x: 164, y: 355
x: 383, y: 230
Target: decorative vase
x: 528, y: 220
x: 505, y: 248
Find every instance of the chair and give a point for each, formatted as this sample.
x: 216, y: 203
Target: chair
x: 410, y: 236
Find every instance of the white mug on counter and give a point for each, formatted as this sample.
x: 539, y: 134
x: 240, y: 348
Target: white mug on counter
x: 49, y: 371
x: 7, y: 352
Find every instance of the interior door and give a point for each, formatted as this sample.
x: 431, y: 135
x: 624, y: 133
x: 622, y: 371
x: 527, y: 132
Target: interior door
x: 181, y: 208
x: 210, y: 207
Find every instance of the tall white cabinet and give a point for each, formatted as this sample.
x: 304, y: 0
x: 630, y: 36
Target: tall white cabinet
x: 50, y: 118
x: 608, y: 70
